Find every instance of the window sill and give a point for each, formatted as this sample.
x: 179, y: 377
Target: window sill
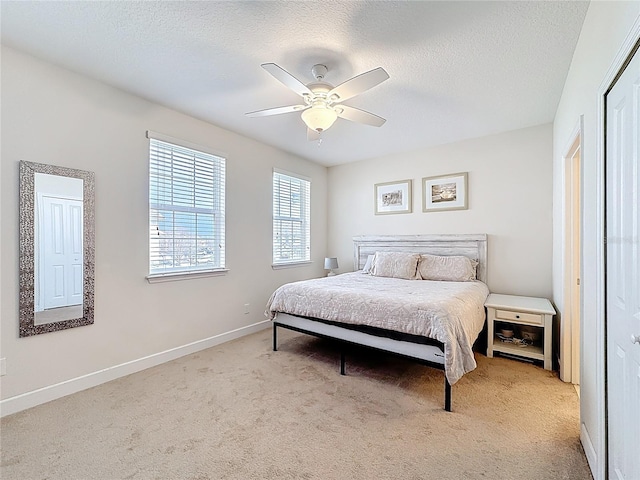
x: 278, y: 266
x: 173, y: 277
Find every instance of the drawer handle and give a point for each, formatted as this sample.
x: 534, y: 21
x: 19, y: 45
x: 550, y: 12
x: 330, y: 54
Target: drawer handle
x: 517, y: 316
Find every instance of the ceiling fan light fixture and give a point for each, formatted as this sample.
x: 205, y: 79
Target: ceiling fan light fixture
x: 319, y: 118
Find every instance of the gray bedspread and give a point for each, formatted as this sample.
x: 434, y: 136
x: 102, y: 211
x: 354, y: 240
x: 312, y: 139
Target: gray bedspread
x: 450, y: 312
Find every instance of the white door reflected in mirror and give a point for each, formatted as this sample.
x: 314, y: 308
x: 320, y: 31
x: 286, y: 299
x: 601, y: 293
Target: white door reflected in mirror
x: 58, y: 248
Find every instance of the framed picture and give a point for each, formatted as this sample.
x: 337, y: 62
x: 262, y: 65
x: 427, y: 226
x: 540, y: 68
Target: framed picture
x: 446, y: 192
x: 393, y: 197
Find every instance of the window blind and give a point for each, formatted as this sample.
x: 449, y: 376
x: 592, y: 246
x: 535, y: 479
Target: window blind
x: 186, y: 209
x: 291, y: 219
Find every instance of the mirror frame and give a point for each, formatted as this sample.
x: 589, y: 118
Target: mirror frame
x: 27, y: 248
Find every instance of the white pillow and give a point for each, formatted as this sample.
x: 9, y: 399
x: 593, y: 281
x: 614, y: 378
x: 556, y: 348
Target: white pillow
x: 447, y: 268
x: 368, y: 266
x: 396, y: 265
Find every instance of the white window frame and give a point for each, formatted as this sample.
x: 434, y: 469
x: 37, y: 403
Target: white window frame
x: 304, y: 219
x: 216, y: 210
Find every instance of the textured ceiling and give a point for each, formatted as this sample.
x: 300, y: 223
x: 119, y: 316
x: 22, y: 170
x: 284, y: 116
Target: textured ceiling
x: 458, y: 69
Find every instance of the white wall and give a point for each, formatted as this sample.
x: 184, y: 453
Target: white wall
x: 510, y: 191
x: 51, y: 115
x: 603, y: 33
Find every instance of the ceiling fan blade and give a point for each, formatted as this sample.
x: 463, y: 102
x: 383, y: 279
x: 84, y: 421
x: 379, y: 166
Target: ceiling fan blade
x: 360, y: 116
x: 358, y: 84
x: 312, y: 135
x: 277, y: 111
x: 286, y: 78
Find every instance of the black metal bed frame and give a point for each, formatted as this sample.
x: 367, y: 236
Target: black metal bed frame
x: 342, y: 342
x: 473, y: 246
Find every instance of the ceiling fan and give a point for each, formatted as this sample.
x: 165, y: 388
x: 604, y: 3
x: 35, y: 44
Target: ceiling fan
x: 322, y: 101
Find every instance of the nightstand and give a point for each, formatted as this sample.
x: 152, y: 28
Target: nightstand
x: 527, y: 317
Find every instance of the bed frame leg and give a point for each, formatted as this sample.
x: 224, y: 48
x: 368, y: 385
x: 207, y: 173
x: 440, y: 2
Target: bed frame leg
x: 275, y: 338
x: 342, y: 363
x: 447, y: 395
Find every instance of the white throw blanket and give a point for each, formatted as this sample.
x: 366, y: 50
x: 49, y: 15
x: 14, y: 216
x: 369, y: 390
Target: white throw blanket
x: 450, y: 312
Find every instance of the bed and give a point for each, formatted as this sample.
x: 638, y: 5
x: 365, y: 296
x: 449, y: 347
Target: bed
x: 432, y: 322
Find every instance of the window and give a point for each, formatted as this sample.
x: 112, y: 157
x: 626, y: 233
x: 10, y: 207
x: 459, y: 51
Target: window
x: 291, y: 219
x: 186, y: 208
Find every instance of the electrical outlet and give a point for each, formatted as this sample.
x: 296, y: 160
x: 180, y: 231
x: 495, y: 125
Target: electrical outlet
x: 3, y: 366
x: 246, y: 308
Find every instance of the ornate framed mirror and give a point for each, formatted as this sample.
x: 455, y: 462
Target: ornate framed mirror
x: 57, y: 248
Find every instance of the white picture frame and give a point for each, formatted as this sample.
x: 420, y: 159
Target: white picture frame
x: 393, y: 197
x: 445, y: 192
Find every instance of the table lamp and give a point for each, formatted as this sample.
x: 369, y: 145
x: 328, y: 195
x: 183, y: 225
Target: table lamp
x: 330, y: 263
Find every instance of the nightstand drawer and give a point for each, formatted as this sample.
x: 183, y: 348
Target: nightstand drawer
x: 519, y: 317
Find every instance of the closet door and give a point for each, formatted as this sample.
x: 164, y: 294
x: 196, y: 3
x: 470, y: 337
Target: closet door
x: 623, y: 272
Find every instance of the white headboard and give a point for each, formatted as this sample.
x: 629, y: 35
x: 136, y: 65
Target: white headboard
x: 473, y: 246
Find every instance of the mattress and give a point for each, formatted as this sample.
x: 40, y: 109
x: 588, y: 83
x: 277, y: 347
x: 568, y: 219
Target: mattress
x: 449, y: 312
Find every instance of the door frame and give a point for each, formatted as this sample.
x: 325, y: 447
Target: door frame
x: 622, y: 57
x: 571, y: 321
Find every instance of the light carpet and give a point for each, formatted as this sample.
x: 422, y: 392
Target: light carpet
x: 241, y: 411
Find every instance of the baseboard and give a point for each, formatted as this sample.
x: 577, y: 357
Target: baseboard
x: 589, y: 451
x: 31, y: 399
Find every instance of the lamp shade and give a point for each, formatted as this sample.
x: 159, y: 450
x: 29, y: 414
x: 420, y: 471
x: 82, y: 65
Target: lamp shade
x: 330, y: 263
x: 319, y: 117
